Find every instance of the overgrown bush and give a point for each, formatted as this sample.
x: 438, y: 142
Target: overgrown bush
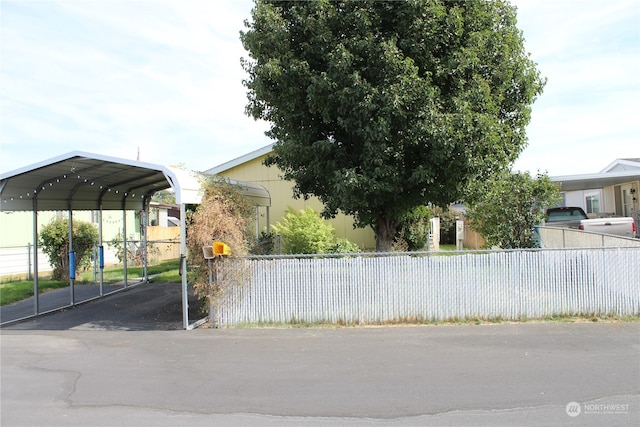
x: 506, y: 208
x: 54, y: 241
x: 414, y: 227
x: 343, y: 246
x: 305, y: 232
x: 135, y: 254
x: 223, y: 215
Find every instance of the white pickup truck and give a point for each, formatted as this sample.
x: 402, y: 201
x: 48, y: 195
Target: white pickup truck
x: 574, y: 217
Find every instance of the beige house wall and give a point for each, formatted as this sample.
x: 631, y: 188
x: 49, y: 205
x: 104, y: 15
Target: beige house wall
x: 609, y: 194
x: 282, y: 197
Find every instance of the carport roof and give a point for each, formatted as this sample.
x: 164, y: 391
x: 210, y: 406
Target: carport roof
x: 87, y: 181
x: 83, y: 181
x: 596, y: 180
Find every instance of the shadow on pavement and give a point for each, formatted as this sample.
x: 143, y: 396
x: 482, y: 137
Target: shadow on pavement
x: 146, y: 307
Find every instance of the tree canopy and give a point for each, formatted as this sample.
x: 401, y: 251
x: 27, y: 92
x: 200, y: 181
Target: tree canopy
x: 377, y: 107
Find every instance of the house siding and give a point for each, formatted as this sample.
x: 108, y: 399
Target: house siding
x: 16, y: 228
x: 282, y: 197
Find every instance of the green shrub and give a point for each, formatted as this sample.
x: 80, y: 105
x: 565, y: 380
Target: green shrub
x: 304, y: 232
x: 343, y: 246
x: 505, y: 208
x: 414, y: 227
x: 54, y: 240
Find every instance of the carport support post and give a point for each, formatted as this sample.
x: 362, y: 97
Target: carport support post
x: 72, y: 267
x: 100, y: 251
x: 183, y: 265
x: 124, y: 243
x: 143, y: 231
x: 36, y: 300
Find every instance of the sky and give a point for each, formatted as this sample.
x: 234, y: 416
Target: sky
x: 162, y: 80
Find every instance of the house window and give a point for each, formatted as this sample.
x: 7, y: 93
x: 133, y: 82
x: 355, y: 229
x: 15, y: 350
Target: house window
x: 593, y: 203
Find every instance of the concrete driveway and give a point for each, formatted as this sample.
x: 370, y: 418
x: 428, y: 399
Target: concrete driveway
x: 506, y: 374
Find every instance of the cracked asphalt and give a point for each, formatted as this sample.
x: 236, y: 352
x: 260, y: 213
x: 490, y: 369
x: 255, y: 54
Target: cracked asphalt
x: 502, y: 374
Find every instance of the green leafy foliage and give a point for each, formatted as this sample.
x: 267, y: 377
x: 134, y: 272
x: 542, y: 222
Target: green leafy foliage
x: 135, y: 252
x: 54, y: 240
x: 414, y: 227
x: 164, y: 196
x: 377, y: 107
x: 506, y: 208
x: 344, y: 246
x: 304, y: 232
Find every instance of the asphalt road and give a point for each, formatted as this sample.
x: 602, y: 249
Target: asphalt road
x: 93, y: 373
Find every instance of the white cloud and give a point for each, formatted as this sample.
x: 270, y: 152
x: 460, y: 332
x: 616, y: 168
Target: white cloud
x: 165, y: 76
x: 111, y: 76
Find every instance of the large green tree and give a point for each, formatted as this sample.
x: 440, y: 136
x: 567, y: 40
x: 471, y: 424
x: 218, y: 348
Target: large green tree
x: 377, y: 107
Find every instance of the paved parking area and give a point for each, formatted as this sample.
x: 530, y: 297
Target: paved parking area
x: 144, y: 307
x: 505, y: 374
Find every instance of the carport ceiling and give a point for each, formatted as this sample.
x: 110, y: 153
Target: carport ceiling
x: 597, y: 180
x: 82, y: 181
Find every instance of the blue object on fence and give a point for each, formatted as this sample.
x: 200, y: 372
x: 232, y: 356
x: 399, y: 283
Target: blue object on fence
x: 72, y: 265
x: 101, y: 257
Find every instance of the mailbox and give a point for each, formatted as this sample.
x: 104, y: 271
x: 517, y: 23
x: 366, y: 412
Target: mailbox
x: 220, y: 248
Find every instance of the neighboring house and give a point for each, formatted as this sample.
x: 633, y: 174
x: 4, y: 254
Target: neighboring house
x: 249, y: 168
x: 615, y: 191
x: 164, y: 214
x: 16, y: 228
x: 16, y: 235
x: 16, y: 231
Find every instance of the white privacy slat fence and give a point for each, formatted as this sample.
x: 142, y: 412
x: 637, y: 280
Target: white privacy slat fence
x: 554, y: 238
x: 509, y: 285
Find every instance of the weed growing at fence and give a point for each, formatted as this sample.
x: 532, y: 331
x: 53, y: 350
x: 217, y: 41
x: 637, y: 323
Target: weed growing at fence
x: 426, y: 322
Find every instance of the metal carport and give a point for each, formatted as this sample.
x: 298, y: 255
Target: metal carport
x: 86, y: 181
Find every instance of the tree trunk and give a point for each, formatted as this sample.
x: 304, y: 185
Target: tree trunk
x: 386, y: 231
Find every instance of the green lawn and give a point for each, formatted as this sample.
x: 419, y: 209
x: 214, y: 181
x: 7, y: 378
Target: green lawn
x: 16, y: 291
x: 166, y: 271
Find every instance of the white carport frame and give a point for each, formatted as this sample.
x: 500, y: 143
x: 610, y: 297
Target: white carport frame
x: 85, y: 181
